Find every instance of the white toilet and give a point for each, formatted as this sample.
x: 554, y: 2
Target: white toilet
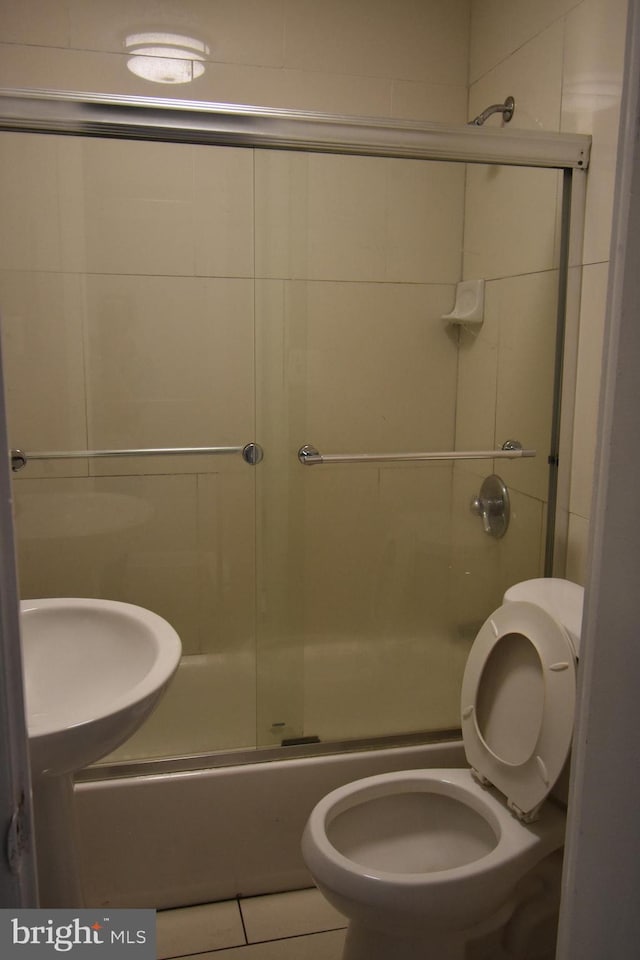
x: 422, y: 862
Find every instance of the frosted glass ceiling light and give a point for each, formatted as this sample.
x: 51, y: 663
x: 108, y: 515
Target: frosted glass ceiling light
x: 165, y: 57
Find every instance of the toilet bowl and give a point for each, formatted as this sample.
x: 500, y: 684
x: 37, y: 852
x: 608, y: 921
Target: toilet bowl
x: 422, y: 862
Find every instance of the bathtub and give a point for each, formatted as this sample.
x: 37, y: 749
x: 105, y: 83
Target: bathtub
x: 175, y: 839
x: 210, y: 705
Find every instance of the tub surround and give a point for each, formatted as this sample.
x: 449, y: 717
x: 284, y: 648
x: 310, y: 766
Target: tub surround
x: 227, y: 831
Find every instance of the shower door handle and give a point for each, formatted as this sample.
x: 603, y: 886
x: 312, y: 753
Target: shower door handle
x: 510, y: 450
x: 252, y: 453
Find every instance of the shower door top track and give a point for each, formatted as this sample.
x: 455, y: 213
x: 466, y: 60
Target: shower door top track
x: 188, y: 121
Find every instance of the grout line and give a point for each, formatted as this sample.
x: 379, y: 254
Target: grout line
x: 298, y: 936
x: 244, y: 928
x: 256, y: 943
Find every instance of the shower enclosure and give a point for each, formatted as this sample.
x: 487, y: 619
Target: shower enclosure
x: 192, y: 295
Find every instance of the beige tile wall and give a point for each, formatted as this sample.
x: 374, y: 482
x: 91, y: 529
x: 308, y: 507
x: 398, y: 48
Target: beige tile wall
x: 368, y: 219
x: 149, y: 258
x: 563, y: 60
x: 352, y: 360
x: 505, y: 373
x: 128, y: 321
x: 119, y: 334
x: 505, y: 376
x: 403, y: 59
x: 190, y: 216
x: 42, y: 322
x: 164, y: 355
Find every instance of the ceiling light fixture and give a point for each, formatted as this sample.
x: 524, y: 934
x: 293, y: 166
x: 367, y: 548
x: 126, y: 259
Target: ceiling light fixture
x: 165, y: 57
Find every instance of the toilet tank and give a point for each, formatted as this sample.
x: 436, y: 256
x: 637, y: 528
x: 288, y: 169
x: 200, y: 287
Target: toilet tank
x: 562, y: 599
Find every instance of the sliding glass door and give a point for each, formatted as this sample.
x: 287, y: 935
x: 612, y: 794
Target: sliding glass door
x: 161, y: 297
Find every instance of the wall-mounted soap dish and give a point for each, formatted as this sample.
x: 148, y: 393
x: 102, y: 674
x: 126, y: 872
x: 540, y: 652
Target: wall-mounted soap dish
x: 469, y: 305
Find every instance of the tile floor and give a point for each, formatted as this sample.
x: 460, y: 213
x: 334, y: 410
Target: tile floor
x: 300, y: 925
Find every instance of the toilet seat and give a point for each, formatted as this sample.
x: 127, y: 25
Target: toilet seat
x: 517, y: 704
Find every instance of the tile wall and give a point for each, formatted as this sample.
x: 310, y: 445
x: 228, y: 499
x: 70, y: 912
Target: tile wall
x: 402, y: 59
x: 128, y: 321
x: 563, y: 62
x: 162, y: 268
x: 203, y: 248
x: 505, y: 370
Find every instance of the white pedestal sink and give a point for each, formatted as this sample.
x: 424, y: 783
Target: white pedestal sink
x: 94, y: 670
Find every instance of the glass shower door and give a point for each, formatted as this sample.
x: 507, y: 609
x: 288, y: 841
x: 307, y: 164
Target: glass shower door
x: 374, y: 576
x: 163, y: 295
x: 128, y: 322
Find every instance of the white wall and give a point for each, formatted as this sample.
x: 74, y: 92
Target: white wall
x: 602, y: 863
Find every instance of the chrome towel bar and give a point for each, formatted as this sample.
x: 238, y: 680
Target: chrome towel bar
x: 252, y: 453
x: 511, y: 450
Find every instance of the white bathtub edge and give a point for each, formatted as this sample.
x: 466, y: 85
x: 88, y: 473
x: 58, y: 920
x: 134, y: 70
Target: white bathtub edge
x: 207, y: 835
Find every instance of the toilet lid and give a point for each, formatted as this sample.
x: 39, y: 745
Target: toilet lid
x: 518, y: 702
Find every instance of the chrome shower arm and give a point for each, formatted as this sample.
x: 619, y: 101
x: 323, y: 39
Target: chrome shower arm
x: 506, y: 109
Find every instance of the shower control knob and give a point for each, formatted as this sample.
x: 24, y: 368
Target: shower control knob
x: 480, y: 508
x: 492, y: 506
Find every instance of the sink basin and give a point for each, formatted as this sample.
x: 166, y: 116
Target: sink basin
x: 94, y: 670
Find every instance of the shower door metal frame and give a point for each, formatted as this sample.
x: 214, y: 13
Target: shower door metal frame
x: 189, y: 121
x: 221, y: 124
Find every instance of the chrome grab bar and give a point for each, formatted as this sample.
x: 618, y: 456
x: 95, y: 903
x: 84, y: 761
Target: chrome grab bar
x: 252, y: 453
x: 511, y: 450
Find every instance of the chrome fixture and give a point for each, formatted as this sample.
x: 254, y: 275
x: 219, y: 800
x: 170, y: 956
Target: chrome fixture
x: 512, y: 445
x: 511, y: 450
x: 18, y: 460
x: 492, y: 506
x: 189, y: 121
x: 507, y: 109
x: 251, y: 453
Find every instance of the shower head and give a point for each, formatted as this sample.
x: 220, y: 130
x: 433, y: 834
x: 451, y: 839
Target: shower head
x: 506, y: 109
